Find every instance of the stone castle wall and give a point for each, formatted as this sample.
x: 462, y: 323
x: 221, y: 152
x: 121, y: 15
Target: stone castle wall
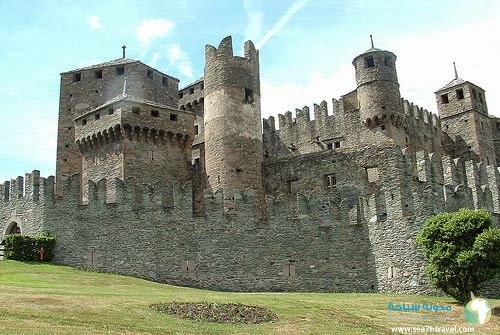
x: 355, y: 235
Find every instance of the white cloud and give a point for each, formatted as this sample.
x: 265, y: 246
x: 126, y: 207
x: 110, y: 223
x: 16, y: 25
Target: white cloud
x: 255, y: 19
x: 277, y: 99
x: 294, y: 8
x: 425, y: 62
x: 152, y: 28
x: 177, y: 59
x: 93, y: 22
x: 180, y: 60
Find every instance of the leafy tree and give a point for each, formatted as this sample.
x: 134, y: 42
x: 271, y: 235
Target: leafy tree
x: 463, y: 250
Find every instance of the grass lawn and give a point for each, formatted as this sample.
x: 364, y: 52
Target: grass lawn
x: 51, y: 299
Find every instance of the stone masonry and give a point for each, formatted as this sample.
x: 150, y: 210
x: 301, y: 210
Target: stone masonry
x: 191, y: 187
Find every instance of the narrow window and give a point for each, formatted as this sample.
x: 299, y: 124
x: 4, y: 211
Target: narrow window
x: 289, y: 270
x: 444, y: 98
x: 149, y: 73
x: 84, y: 122
x: 136, y: 110
x: 460, y: 94
x: 164, y: 81
x: 196, y: 130
x: 97, y: 116
x: 173, y: 117
x: 388, y: 61
x: 202, y: 86
x: 98, y: 74
x: 120, y: 70
x: 155, y: 113
x: 110, y: 110
x: 372, y: 173
x: 218, y: 178
x: 329, y: 146
x: 248, y: 95
x: 482, y: 125
x: 498, y: 126
x: 181, y: 95
x: 191, y: 90
x: 336, y: 144
x: 330, y: 180
x: 369, y: 61
x: 474, y: 93
x: 77, y: 77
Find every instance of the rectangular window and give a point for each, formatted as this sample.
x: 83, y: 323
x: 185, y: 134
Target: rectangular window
x: 173, y: 117
x: 388, y: 61
x: 498, y: 126
x: 155, y: 113
x: 98, y: 74
x: 248, y: 95
x: 329, y: 146
x: 97, y: 116
x: 289, y: 270
x: 330, y: 180
x: 77, y: 77
x: 444, y: 98
x: 369, y: 61
x: 460, y: 94
x: 149, y: 73
x: 136, y: 110
x: 474, y: 93
x: 196, y: 130
x: 120, y: 70
x: 336, y: 144
x: 164, y: 81
x: 110, y: 110
x: 202, y: 86
x: 84, y: 122
x: 191, y: 90
x: 181, y: 95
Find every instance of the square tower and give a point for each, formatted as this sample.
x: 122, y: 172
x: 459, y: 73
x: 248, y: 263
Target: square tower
x: 84, y: 89
x: 464, y: 118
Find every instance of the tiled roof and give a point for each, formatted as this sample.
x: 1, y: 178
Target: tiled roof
x: 454, y: 82
x: 193, y: 83
x: 119, y: 61
x: 125, y: 97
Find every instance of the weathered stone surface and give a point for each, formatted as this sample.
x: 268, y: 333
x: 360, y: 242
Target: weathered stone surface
x: 198, y: 196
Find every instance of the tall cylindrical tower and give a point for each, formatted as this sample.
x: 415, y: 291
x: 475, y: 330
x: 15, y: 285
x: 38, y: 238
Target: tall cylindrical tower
x: 233, y: 131
x: 377, y: 87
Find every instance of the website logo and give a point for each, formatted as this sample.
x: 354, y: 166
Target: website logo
x: 477, y: 311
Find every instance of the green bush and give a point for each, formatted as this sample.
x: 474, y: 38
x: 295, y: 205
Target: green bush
x: 463, y: 250
x: 26, y: 248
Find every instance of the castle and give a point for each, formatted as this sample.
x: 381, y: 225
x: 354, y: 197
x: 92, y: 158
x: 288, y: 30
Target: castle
x: 192, y: 187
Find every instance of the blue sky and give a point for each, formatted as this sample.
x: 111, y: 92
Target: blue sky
x: 306, y: 49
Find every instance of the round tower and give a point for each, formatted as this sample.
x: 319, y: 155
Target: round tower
x: 378, y: 88
x: 233, y: 126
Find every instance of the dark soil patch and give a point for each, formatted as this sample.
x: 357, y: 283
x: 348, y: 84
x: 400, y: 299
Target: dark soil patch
x: 216, y: 312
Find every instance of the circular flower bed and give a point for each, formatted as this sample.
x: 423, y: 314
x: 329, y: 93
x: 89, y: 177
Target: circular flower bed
x: 216, y: 312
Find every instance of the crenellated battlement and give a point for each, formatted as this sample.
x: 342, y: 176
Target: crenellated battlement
x: 452, y: 183
x: 134, y: 119
x: 416, y: 114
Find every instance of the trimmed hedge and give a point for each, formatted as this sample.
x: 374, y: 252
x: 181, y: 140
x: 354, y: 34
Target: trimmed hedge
x: 26, y: 248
